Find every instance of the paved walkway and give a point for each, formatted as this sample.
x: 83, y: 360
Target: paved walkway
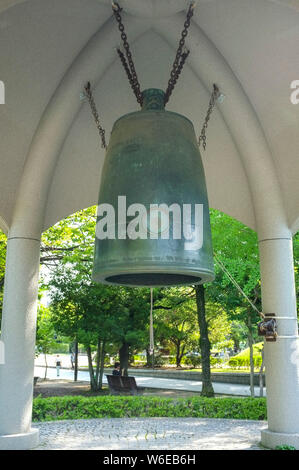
x: 154, y: 382
x: 151, y: 433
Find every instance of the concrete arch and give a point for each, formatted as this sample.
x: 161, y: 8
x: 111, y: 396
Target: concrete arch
x: 210, y: 66
x: 3, y: 225
x: 54, y: 125
x: 21, y: 282
x: 243, y: 124
x: 295, y: 227
x: 151, y: 8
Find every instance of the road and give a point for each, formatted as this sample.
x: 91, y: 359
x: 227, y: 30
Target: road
x: 153, y: 382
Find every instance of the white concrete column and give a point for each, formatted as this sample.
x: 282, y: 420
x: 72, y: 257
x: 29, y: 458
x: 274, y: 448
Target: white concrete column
x: 18, y: 335
x: 21, y: 279
x: 282, y: 356
x: 277, y: 271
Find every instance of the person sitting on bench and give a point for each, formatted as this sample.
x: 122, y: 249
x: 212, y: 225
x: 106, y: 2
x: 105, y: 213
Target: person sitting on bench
x: 116, y: 370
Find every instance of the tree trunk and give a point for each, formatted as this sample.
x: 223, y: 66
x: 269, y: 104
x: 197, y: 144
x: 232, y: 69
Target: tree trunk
x: 236, y: 345
x: 150, y: 359
x: 204, y: 343
x: 76, y: 362
x: 124, y: 358
x: 153, y: 359
x: 250, y: 343
x: 98, y: 360
x: 100, y: 381
x: 182, y: 353
x: 178, y: 355
x: 46, y: 368
x: 93, y: 384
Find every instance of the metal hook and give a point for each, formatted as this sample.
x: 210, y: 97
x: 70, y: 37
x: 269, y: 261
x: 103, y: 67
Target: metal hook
x: 115, y: 6
x: 220, y: 97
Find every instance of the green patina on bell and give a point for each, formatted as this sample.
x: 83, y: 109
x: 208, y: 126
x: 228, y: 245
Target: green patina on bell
x: 153, y: 226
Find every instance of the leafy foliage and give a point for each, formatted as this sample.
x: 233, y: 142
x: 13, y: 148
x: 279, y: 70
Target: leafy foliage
x: 45, y: 335
x: 243, y: 360
x: 236, y: 246
x: 285, y: 447
x: 58, y: 408
x: 176, y: 324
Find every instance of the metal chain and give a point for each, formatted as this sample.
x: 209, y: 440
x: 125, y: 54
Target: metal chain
x: 126, y: 67
x: 214, y: 97
x: 175, y: 76
x: 89, y: 96
x: 181, y: 56
x: 127, y: 63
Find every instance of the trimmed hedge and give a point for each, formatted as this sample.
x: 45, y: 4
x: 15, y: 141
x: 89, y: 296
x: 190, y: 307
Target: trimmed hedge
x: 60, y: 348
x: 78, y: 407
x: 243, y: 358
x: 236, y: 361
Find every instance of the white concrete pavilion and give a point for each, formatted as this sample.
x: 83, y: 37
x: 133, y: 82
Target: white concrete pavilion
x: 51, y: 159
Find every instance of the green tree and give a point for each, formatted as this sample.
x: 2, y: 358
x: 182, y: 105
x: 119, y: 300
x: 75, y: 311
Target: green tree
x: 236, y: 246
x: 131, y: 323
x: 45, y: 334
x: 96, y: 314
x: 204, y: 342
x: 175, y: 321
x: 84, y: 311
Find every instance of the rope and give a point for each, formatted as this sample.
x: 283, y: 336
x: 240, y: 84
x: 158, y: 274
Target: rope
x: 238, y: 286
x: 151, y: 346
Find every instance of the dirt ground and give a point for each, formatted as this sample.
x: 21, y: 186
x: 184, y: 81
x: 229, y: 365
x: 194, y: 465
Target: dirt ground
x: 60, y: 388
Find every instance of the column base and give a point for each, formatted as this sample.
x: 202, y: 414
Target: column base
x: 27, y: 441
x: 272, y: 439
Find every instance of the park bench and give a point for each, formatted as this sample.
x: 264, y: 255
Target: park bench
x: 121, y: 384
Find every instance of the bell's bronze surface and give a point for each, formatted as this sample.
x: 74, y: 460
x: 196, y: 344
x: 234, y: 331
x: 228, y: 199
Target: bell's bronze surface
x: 152, y: 160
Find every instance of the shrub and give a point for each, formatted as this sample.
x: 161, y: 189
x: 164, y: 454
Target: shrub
x: 137, y: 359
x: 193, y: 360
x: 60, y: 348
x: 284, y: 447
x: 244, y: 361
x: 243, y: 358
x: 78, y: 407
x: 216, y: 361
x: 161, y: 361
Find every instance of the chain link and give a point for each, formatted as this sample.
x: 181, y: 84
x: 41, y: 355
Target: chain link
x: 177, y: 68
x: 181, y: 56
x: 214, y: 97
x: 128, y: 60
x: 89, y: 96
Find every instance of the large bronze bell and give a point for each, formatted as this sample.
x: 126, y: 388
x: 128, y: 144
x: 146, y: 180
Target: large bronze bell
x: 153, y: 226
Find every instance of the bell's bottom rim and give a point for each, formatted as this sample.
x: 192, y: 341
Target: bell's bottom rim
x: 202, y: 276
